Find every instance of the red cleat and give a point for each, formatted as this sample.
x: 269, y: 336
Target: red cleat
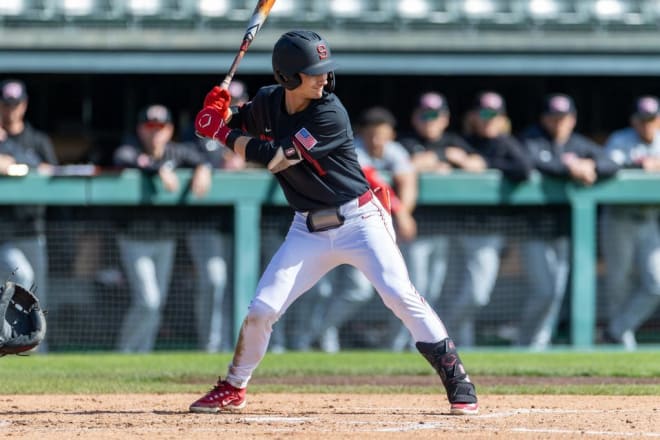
x: 223, y: 397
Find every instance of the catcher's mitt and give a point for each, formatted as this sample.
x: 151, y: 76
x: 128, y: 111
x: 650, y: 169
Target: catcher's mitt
x: 22, y: 322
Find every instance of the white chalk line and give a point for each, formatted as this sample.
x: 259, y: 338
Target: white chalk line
x: 405, y: 428
x: 585, y: 432
x: 276, y: 419
x: 422, y: 426
x: 577, y: 432
x: 365, y: 425
x: 516, y: 412
x: 416, y: 426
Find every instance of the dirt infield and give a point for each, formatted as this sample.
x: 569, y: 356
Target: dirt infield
x: 328, y: 416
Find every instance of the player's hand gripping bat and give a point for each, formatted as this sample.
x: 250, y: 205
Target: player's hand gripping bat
x: 210, y: 120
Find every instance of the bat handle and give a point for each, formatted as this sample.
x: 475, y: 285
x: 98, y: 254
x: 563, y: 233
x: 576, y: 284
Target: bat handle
x: 234, y: 65
x: 225, y: 82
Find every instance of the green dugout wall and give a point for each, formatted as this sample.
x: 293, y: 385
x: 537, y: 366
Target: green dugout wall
x: 247, y: 190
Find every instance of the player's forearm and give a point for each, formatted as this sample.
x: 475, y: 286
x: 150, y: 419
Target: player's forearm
x: 408, y: 199
x: 263, y: 152
x: 407, y: 190
x: 241, y: 145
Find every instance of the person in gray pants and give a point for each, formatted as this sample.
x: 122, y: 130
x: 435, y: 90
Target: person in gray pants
x: 147, y: 240
x: 556, y: 150
x: 209, y: 245
x: 630, y: 234
x: 207, y: 248
x: 433, y: 149
x: 481, y: 240
x: 23, y: 251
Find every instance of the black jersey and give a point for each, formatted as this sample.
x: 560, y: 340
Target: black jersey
x: 330, y: 174
x: 504, y: 153
x: 150, y: 222
x: 176, y: 155
x: 546, y: 154
x: 415, y: 144
x: 34, y: 147
x: 31, y: 147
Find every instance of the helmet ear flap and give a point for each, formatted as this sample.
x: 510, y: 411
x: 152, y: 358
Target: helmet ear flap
x: 330, y: 86
x: 294, y: 81
x: 289, y: 82
x: 279, y: 77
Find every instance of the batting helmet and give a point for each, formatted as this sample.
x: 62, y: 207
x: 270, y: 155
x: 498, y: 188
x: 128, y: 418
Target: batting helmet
x: 302, y: 51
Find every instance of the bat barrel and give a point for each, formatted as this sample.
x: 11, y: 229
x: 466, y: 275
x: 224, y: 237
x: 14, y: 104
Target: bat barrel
x: 256, y: 21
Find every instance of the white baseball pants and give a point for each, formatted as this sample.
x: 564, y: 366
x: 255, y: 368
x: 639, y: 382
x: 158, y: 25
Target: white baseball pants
x: 366, y: 240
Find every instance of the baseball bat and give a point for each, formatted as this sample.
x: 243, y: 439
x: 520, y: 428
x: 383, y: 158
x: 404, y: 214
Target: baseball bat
x: 256, y: 21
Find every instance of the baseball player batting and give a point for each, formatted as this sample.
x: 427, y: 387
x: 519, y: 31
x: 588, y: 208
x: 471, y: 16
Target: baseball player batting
x: 301, y: 132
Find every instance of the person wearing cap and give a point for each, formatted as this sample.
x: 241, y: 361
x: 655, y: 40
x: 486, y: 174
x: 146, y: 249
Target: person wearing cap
x: 630, y: 234
x: 23, y: 249
x: 209, y: 243
x: 14, y: 126
x: 480, y: 238
x: 147, y: 238
x: 558, y: 151
x: 433, y: 149
x: 377, y: 148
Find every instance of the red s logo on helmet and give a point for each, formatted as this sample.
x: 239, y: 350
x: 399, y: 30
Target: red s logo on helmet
x: 323, y: 51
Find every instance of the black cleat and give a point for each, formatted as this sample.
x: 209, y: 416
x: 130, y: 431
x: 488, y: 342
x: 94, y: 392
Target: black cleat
x: 444, y: 358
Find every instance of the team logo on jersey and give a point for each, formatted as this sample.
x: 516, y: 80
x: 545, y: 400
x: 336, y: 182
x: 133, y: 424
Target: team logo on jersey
x: 305, y: 138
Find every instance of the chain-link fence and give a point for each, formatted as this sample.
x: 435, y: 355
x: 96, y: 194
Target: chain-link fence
x: 99, y: 257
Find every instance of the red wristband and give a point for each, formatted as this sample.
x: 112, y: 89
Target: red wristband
x: 227, y: 136
x: 222, y: 134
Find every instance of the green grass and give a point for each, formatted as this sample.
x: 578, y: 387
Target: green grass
x: 174, y: 372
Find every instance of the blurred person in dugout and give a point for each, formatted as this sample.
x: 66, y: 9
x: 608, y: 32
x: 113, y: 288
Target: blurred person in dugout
x: 630, y: 234
x: 23, y: 250
x: 346, y: 288
x: 147, y: 238
x: 210, y: 246
x: 481, y: 240
x: 433, y: 149
x: 556, y: 150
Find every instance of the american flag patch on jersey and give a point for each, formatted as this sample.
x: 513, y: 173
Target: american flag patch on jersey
x: 305, y: 138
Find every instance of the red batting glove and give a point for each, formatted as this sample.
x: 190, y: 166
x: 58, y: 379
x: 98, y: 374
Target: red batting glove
x: 209, y: 123
x: 219, y: 99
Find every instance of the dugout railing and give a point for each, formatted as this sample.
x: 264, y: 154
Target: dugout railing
x: 247, y: 191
